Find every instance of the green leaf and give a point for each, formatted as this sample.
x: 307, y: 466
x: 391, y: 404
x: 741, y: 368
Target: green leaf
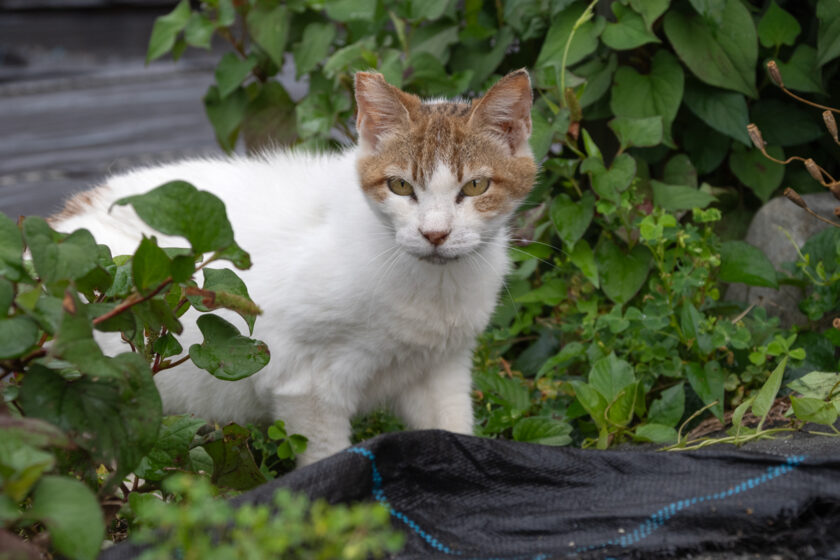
x: 622, y: 273
x: 226, y: 115
x: 582, y: 257
x: 741, y: 262
x: 655, y: 433
x: 434, y: 39
x: 757, y: 172
x: 313, y: 47
x: 483, y: 59
x: 777, y: 27
x: 680, y: 171
x: 172, y: 448
x: 504, y: 391
x: 225, y: 353
x: 610, y: 183
x: 637, y: 132
x: 224, y: 282
x: 679, y: 197
x: 722, y: 54
x: 7, y: 296
x: 725, y: 111
x: 801, y: 72
x: 551, y: 292
x: 816, y: 384
x: 570, y: 218
x: 71, y: 513
x: 785, y: 123
x: 711, y: 10
x: 351, y: 10
x: 166, y: 29
x: 17, y: 335
x: 347, y: 58
x: 150, y: 266
x: 658, y: 93
x: 233, y: 463
x: 178, y: 208
x: 542, y: 430
x: 708, y: 382
x: 268, y: 25
x: 610, y: 376
x: 592, y: 401
x: 545, y: 129
x: 814, y: 410
x: 629, y: 30
x: 114, y: 419
x: 21, y: 464
x: 11, y: 250
x: 56, y: 257
x: 584, y: 42
x: 650, y: 9
x: 199, y: 31
x: 167, y: 346
x: 417, y: 10
x: 706, y: 147
x: 767, y: 394
x: 828, y: 35
x: 232, y: 71
x: 668, y: 409
x: 269, y: 118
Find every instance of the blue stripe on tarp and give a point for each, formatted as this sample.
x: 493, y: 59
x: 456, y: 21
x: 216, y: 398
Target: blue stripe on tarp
x: 644, y: 530
x: 658, y: 519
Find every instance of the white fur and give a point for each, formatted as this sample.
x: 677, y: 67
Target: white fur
x: 353, y: 318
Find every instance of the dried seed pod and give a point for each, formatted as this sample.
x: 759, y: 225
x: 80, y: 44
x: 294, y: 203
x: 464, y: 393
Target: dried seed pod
x: 836, y: 323
x: 755, y: 136
x: 835, y: 189
x: 813, y: 170
x: 794, y: 197
x: 837, y: 211
x: 830, y: 124
x: 775, y: 74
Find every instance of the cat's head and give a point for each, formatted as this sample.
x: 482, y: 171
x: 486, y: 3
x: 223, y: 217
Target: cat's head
x: 445, y: 176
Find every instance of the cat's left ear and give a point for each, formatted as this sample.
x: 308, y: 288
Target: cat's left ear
x: 382, y: 109
x: 506, y: 110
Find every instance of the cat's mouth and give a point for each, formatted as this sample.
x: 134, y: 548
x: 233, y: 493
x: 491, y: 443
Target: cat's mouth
x: 436, y: 258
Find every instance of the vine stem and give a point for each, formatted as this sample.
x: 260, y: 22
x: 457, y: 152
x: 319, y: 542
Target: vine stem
x: 131, y: 302
x: 584, y: 17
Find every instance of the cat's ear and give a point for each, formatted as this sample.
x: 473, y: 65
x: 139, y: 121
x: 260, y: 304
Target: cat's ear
x: 506, y: 110
x: 382, y: 108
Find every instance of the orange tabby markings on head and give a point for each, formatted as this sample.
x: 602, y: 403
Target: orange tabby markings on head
x: 398, y: 129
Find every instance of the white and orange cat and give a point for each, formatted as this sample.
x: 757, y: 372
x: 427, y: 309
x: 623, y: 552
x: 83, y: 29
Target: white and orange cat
x: 376, y: 267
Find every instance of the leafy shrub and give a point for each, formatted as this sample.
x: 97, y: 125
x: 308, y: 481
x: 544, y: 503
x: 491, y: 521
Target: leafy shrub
x: 75, y: 422
x: 200, y: 526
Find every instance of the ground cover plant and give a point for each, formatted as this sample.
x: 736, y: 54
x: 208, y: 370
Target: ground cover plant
x: 612, y: 327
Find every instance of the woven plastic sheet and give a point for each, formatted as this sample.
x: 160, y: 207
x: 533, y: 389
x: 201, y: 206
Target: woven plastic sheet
x: 465, y: 497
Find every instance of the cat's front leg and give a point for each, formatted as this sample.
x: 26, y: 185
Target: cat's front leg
x: 441, y: 399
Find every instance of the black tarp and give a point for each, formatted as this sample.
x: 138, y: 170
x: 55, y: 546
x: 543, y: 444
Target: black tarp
x: 466, y: 497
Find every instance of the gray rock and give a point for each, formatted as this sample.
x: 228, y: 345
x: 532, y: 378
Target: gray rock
x: 768, y: 232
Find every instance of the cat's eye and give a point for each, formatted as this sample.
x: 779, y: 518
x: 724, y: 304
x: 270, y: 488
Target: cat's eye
x: 400, y: 187
x: 475, y: 187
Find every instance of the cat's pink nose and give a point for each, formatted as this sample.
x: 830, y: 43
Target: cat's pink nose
x: 435, y: 237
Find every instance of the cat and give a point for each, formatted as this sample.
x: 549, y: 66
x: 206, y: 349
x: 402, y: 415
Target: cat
x: 376, y: 267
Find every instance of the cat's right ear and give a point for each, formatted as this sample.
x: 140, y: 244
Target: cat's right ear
x: 382, y: 109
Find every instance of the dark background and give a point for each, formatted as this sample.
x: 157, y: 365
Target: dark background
x: 78, y: 102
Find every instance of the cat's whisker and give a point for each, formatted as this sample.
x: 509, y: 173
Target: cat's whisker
x: 529, y: 241
x: 509, y: 246
x: 504, y: 282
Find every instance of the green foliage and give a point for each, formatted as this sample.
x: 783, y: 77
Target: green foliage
x: 75, y: 421
x: 192, y: 523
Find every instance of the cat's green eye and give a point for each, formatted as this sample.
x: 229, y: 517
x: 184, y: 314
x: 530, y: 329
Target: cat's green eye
x: 475, y: 187
x: 400, y: 187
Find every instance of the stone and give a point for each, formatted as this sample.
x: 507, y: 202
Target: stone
x: 769, y: 231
